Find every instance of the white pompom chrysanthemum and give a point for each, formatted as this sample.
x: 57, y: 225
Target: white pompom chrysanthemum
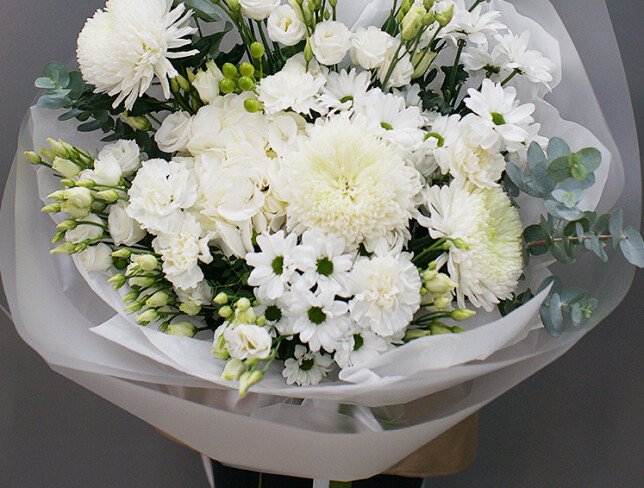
x: 123, y: 47
x: 488, y: 267
x: 345, y: 180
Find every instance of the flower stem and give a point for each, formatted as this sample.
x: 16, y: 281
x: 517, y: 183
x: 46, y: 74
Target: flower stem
x: 510, y: 76
x: 476, y: 4
x: 573, y: 239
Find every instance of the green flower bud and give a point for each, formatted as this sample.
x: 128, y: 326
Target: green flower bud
x: 439, y: 329
x: 143, y: 282
x: 261, y: 321
x: 47, y: 154
x: 191, y: 75
x: 67, y: 248
x: 158, y: 300
x: 174, y: 85
x: 78, y: 196
x: 146, y: 317
x: 252, y: 105
x: 183, y: 329
x: 333, y: 3
x: 183, y: 83
x: 57, y: 195
x: 457, y: 330
x: 58, y: 237
x: 234, y: 5
x: 58, y: 148
x: 443, y: 301
x: 122, y: 253
x: 461, y: 314
x: 133, y: 307
x: 130, y: 297
x: 247, y: 69
x: 246, y: 83
x: 445, y: 17
x: 257, y: 50
x: 428, y: 19
x: 109, y: 196
x: 429, y: 274
x: 308, y: 51
x: 247, y: 380
x: 67, y: 225
x: 117, y: 281
x: 68, y: 182
x: 221, y: 299
x: 226, y: 86
x: 243, y: 304
x: 422, y: 60
x: 412, y: 334
x: 219, y: 348
x: 33, y: 157
x: 327, y: 15
x: 81, y: 246
x: 246, y: 317
x: 428, y: 3
x: 190, y: 308
x: 52, y: 208
x: 233, y: 370
x: 147, y: 262
x: 461, y: 244
x: 441, y: 284
x: 86, y: 184
x: 405, y: 6
x: 225, y: 312
x: 229, y: 71
x: 137, y: 123
x: 412, y: 23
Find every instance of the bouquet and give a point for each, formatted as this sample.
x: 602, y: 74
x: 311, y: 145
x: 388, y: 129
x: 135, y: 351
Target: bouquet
x: 283, y: 199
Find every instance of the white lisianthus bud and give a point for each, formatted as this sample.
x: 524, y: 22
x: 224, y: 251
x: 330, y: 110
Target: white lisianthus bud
x: 77, y: 201
x: 258, y: 9
x: 461, y: 314
x: 123, y: 228
x: 147, y: 317
x: 285, y: 27
x: 440, y: 285
x: 117, y: 281
x: 402, y: 72
x: 369, y: 47
x: 174, y: 133
x: 221, y: 298
x: 219, y: 344
x: 84, y: 232
x: 96, y: 258
x: 330, y: 42
x: 243, y: 304
x: 248, y: 341
x: 65, y: 167
x: 233, y: 370
x: 443, y: 301
x: 158, y: 300
x: 146, y: 262
x: 184, y: 329
x: 125, y: 153
x: 421, y: 60
x: 190, y: 308
x: 137, y: 123
x: 412, y: 22
x: 66, y: 248
x: 247, y: 380
x: 109, y: 196
x: 207, y: 82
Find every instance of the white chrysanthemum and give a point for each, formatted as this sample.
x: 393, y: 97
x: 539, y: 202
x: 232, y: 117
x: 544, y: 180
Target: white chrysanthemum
x: 274, y: 265
x: 344, y: 91
x: 488, y: 268
x: 387, y: 292
x: 123, y: 47
x: 306, y: 368
x: 512, y: 52
x: 359, y: 348
x: 473, y: 26
x: 345, y: 180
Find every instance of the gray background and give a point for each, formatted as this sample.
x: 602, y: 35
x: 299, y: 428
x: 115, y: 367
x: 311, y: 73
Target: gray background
x: 577, y: 423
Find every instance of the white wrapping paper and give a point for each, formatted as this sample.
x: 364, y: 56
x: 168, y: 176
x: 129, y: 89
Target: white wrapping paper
x: 418, y: 391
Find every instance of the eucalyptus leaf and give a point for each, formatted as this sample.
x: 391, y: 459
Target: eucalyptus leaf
x: 559, y: 169
x: 45, y: 83
x: 616, y: 226
x: 557, y: 148
x: 632, y: 247
x: 590, y: 158
x: 203, y: 9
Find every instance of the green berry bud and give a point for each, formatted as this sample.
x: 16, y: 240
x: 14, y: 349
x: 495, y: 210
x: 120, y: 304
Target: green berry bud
x: 246, y: 83
x: 247, y: 69
x: 226, y: 86
x: 229, y: 71
x: 257, y: 50
x: 253, y: 105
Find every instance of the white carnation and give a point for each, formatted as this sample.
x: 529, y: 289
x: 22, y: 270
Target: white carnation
x: 369, y: 47
x: 174, y: 133
x: 200, y: 295
x: 488, y: 268
x: 285, y: 27
x: 123, y: 229
x: 330, y: 42
x: 345, y: 180
x: 248, y: 341
x: 159, y: 192
x: 258, y: 9
x: 387, y: 293
x: 124, y: 47
x: 181, y: 252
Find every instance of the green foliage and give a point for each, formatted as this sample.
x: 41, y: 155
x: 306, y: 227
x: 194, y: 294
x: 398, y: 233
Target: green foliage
x: 62, y: 86
x: 203, y: 9
x: 508, y: 306
x: 564, y: 307
x: 208, y: 47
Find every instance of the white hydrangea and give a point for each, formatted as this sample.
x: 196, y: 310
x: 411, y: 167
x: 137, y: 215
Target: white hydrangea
x: 345, y: 180
x: 488, y: 267
x: 386, y: 289
x: 125, y: 46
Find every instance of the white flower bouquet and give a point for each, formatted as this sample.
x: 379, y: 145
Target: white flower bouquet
x: 349, y: 205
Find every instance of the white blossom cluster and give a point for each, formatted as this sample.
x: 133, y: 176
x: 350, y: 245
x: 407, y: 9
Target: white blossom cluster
x: 317, y: 176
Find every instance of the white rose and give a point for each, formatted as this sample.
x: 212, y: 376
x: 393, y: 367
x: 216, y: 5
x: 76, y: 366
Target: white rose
x: 174, y: 133
x: 123, y: 229
x: 126, y: 153
x: 331, y: 42
x: 402, y: 72
x: 84, y: 232
x: 207, y: 82
x: 248, y: 341
x: 369, y: 47
x: 65, y: 167
x: 96, y: 258
x: 258, y: 9
x: 285, y: 27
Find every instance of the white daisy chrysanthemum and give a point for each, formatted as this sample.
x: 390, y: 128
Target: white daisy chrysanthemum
x: 345, y: 90
x: 512, y: 52
x: 386, y: 289
x: 320, y: 320
x: 274, y: 265
x: 306, y: 368
x: 500, y: 118
x: 488, y: 267
x: 359, y: 348
x: 125, y: 46
x: 473, y: 26
x: 323, y: 262
x: 345, y: 180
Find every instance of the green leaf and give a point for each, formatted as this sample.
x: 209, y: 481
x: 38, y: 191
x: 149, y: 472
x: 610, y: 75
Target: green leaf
x: 50, y: 103
x: 559, y: 169
x: 552, y: 315
x: 590, y: 158
x: 632, y: 246
x: 56, y: 72
x: 616, y: 226
x: 557, y: 148
x: 203, y: 9
x: 45, y: 83
x: 535, y: 155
